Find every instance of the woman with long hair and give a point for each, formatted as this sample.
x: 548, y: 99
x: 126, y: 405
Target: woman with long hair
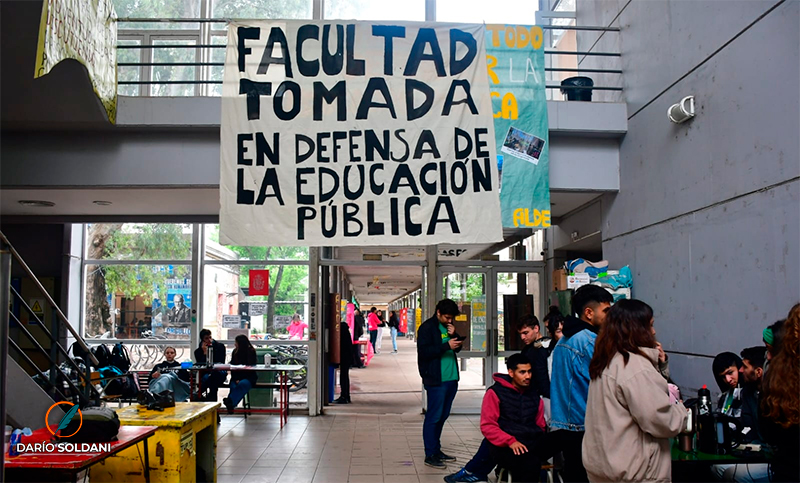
x: 629, y: 416
x: 241, y: 381
x: 779, y: 420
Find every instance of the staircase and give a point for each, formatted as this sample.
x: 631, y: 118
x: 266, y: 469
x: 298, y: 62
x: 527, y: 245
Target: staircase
x: 36, y: 368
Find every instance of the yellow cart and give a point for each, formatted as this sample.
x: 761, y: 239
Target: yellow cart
x: 184, y: 449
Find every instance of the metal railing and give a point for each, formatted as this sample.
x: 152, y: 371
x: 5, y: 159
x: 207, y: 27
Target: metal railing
x: 76, y: 386
x: 203, y: 51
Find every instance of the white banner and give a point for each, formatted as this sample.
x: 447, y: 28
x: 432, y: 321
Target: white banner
x: 357, y: 133
x: 83, y: 30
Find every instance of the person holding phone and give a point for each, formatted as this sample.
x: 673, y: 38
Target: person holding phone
x: 437, y: 345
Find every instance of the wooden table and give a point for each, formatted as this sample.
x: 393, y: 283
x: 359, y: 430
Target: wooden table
x: 184, y: 449
x: 282, y: 384
x: 55, y: 466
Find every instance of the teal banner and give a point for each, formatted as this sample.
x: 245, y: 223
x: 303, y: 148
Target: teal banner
x: 515, y: 59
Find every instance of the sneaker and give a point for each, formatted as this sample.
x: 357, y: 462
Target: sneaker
x: 341, y: 400
x: 445, y: 457
x: 463, y: 475
x: 435, y: 462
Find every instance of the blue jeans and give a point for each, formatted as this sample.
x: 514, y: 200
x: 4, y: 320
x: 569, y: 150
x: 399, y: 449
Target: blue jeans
x: 212, y: 381
x: 373, y: 339
x: 482, y: 463
x: 238, y: 390
x: 394, y: 339
x: 440, y: 400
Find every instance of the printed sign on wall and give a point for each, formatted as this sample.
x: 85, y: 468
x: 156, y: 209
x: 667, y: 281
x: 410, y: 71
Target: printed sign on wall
x: 357, y: 133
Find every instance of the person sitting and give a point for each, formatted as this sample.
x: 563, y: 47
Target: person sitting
x: 772, y: 337
x: 164, y: 377
x: 512, y: 420
x: 241, y: 381
x: 741, y: 403
x: 214, y: 379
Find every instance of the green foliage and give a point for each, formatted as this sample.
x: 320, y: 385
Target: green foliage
x: 277, y: 9
x: 154, y: 241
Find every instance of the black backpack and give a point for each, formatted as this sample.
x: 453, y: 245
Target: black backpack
x: 99, y: 426
x: 120, y: 357
x: 125, y: 387
x: 102, y: 354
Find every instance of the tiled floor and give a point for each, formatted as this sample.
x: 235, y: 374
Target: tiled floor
x: 337, y: 449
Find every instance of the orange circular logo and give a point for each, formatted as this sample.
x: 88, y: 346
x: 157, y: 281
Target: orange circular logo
x: 64, y: 420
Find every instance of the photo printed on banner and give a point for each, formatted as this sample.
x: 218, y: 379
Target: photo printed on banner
x: 523, y: 145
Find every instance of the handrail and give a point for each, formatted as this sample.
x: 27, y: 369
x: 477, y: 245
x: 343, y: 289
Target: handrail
x: 43, y: 291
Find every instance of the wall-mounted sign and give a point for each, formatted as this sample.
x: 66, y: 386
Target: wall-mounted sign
x: 259, y: 283
x: 232, y: 321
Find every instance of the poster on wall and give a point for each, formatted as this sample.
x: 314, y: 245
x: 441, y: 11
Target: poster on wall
x: 403, y: 320
x: 515, y: 56
x: 259, y: 283
x: 357, y: 133
x: 84, y: 30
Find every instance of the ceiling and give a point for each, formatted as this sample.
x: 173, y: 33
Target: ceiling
x: 563, y: 202
x: 379, y: 285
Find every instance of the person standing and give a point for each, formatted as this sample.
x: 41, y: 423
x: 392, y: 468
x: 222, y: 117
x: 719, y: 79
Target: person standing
x: 569, y: 388
x: 372, y: 324
x: 381, y: 326
x: 780, y: 402
x: 437, y: 345
x: 345, y: 360
x: 358, y: 331
x: 297, y: 328
x: 241, y: 381
x: 394, y: 325
x: 629, y: 416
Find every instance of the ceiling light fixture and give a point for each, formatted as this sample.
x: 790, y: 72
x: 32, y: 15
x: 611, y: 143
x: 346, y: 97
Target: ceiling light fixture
x: 37, y: 203
x: 101, y: 203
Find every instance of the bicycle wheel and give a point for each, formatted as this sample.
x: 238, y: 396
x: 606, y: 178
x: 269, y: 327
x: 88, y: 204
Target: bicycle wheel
x: 298, y: 379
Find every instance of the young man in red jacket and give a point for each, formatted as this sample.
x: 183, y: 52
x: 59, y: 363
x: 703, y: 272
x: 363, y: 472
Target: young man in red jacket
x: 512, y: 420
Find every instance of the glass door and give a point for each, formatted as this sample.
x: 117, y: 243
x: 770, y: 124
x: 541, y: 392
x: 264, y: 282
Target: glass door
x: 518, y: 291
x: 471, y: 288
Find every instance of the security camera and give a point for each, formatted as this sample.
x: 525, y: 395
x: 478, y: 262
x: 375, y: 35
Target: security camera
x: 682, y: 111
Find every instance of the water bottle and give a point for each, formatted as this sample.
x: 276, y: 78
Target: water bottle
x: 267, y: 359
x: 706, y: 429
x: 210, y: 356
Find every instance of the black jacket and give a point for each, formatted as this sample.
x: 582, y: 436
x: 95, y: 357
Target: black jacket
x: 219, y: 353
x: 346, y: 352
x: 358, y: 326
x: 430, y: 349
x: 572, y: 326
x: 394, y: 321
x: 243, y: 358
x: 519, y: 411
x: 161, y: 366
x: 537, y: 354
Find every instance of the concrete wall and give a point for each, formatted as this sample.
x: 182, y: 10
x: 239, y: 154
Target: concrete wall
x: 708, y: 212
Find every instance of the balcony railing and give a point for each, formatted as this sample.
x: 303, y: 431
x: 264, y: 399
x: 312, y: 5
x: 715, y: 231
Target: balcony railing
x: 190, y: 62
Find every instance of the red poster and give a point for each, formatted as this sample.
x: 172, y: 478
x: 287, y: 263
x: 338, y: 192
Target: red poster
x: 259, y: 282
x: 404, y: 320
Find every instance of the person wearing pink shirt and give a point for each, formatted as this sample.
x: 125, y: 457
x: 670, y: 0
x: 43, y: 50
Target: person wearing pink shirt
x: 372, y: 323
x: 297, y: 327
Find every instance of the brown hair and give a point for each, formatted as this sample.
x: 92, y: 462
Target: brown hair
x: 781, y: 385
x: 626, y: 329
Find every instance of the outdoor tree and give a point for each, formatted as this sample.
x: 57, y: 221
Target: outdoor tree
x: 147, y: 241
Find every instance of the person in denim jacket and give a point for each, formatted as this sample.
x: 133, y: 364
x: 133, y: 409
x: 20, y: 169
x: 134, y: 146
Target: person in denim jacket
x: 569, y: 385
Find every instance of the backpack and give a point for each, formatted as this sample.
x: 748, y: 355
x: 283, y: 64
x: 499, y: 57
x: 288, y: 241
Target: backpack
x: 120, y: 357
x: 126, y: 387
x: 99, y: 425
x: 102, y: 354
x: 78, y: 352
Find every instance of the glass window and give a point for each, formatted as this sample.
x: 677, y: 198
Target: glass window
x: 129, y: 73
x: 226, y: 292
x: 215, y: 72
x: 157, y: 9
x: 138, y: 241
x: 412, y: 10
x: 216, y: 251
x: 171, y: 72
x: 138, y: 301
x: 522, y: 12
x: 260, y: 9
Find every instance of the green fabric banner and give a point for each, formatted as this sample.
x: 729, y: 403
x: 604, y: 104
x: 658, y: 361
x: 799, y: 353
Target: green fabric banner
x: 515, y: 58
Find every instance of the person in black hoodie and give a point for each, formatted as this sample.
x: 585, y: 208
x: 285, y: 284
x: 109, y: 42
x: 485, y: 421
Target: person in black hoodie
x: 241, y: 381
x: 437, y: 345
x: 345, y: 360
x: 214, y: 379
